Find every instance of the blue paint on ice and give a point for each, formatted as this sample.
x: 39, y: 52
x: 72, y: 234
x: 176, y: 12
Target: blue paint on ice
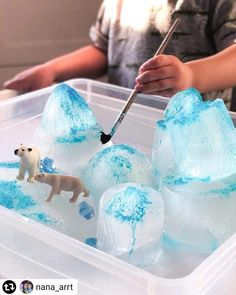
x: 73, y: 113
x: 12, y: 197
x: 129, y: 206
x: 41, y: 217
x: 174, y: 180
x: 71, y: 139
x: 9, y: 165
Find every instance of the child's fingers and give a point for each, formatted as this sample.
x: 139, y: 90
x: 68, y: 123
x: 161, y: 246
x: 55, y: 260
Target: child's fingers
x: 156, y: 74
x: 16, y: 84
x: 157, y: 62
x: 156, y: 86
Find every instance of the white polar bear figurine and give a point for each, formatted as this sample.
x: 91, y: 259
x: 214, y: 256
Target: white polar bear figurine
x: 60, y: 183
x: 29, y: 161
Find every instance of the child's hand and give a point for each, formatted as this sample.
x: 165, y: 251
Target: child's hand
x: 163, y: 75
x: 31, y: 79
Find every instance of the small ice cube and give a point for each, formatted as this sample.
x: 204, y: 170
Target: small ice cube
x: 91, y: 242
x: 130, y: 223
x: 86, y: 210
x: 47, y: 165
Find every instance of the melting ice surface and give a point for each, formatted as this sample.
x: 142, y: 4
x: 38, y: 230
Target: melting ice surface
x: 13, y: 197
x: 200, y: 137
x: 130, y: 223
x: 194, y: 163
x: 68, y: 132
x: 114, y: 165
x: 28, y: 199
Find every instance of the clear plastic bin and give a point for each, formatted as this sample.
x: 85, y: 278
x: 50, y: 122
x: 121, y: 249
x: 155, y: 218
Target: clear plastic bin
x: 29, y: 249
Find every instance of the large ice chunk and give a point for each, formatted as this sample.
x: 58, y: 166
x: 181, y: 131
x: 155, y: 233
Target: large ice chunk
x: 130, y: 223
x: 114, y: 165
x: 194, y: 164
x: 199, y: 214
x: 200, y: 135
x: 68, y: 133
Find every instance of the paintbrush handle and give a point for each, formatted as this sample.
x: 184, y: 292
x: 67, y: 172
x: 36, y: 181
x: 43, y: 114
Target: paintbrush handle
x: 134, y: 93
x: 124, y: 111
x: 167, y: 38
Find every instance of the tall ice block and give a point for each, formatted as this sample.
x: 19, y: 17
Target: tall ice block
x: 130, y: 223
x: 194, y: 166
x: 68, y: 133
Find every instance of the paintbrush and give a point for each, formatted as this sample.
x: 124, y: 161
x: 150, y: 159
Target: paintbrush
x: 106, y: 137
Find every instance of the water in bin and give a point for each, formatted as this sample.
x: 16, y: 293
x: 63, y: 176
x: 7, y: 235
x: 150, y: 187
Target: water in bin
x: 65, y: 146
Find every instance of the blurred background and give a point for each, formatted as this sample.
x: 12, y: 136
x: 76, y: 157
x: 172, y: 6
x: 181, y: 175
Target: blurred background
x: 32, y: 32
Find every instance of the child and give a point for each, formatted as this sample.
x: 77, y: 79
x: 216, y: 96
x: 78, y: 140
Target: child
x: 128, y: 32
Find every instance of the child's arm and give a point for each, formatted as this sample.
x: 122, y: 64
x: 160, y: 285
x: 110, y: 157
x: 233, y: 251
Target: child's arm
x: 89, y: 62
x: 166, y: 74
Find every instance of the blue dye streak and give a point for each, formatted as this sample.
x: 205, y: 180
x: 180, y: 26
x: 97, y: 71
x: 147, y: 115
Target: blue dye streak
x: 9, y: 165
x: 41, y: 217
x: 161, y: 124
x: 181, y: 180
x: 116, y: 148
x: 12, y: 197
x: 71, y: 100
x: 173, y: 244
x: 74, y: 115
x: 129, y: 206
x: 70, y: 139
x: 186, y: 106
x: 224, y: 192
x: 120, y: 166
x: 117, y: 159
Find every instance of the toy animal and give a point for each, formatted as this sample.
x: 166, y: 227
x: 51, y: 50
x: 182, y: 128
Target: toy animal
x: 29, y: 161
x: 60, y: 182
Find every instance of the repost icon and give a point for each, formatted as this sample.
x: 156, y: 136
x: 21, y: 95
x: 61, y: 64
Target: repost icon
x: 9, y: 287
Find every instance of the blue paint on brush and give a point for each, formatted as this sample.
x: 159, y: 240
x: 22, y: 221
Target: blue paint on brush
x: 129, y: 206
